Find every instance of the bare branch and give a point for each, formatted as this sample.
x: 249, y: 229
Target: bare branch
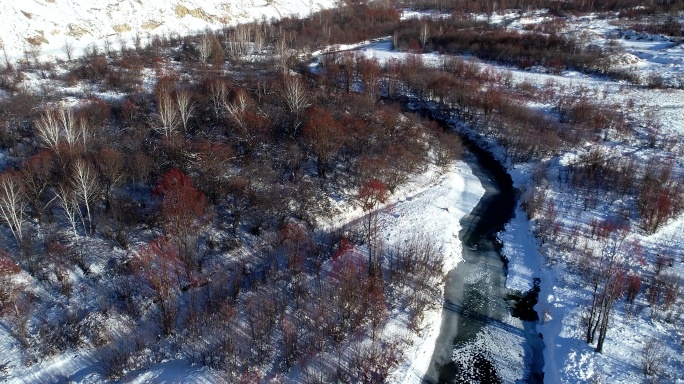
x: 86, y: 188
x: 12, y: 203
x: 168, y: 112
x: 185, y: 106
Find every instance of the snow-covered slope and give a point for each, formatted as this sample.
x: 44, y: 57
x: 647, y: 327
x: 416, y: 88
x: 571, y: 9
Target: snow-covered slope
x: 50, y: 24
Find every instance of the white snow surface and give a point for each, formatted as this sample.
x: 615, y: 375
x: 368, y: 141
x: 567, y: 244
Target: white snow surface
x: 437, y: 212
x: 433, y: 204
x: 83, y: 23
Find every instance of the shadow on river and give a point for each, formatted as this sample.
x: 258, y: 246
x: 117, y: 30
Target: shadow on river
x: 475, y: 293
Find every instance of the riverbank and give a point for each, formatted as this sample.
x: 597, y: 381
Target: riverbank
x: 479, y: 337
x: 441, y: 210
x: 437, y: 212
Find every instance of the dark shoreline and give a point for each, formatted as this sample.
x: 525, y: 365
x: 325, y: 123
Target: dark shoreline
x: 468, y: 307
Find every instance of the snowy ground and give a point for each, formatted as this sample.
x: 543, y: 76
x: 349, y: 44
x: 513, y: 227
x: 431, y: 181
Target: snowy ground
x: 436, y: 211
x: 82, y: 23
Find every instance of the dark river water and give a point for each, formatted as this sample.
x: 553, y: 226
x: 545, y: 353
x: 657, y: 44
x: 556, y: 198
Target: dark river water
x: 475, y: 293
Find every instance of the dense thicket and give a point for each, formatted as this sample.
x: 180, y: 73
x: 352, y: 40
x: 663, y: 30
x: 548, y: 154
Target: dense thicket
x: 545, y: 48
x: 188, y: 213
x: 557, y: 6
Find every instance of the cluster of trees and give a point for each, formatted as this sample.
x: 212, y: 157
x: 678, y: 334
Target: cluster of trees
x: 489, y: 102
x: 669, y: 26
x: 557, y: 6
x: 524, y: 50
x: 187, y: 213
x: 616, y: 269
x: 653, y: 188
x: 349, y: 24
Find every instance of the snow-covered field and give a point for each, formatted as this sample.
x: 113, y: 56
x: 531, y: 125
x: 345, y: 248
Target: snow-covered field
x: 51, y: 24
x: 436, y: 211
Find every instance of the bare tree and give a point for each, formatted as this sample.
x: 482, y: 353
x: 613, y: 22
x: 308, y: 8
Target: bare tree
x: 653, y: 357
x: 107, y: 45
x: 371, y: 195
x: 68, y: 49
x: 33, y: 52
x: 84, y: 131
x: 168, y: 112
x: 112, y: 167
x: 36, y: 173
x: 291, y: 335
x: 49, y: 129
x: 183, y: 214
x: 607, y: 275
x: 259, y: 40
x: 237, y: 110
x: 369, y: 71
x: 237, y: 41
x: 67, y: 200
x: 59, y: 125
x: 158, y: 264
x: 424, y: 34
x: 70, y: 131
x: 186, y: 105
x: 295, y: 94
x: 219, y: 95
x: 12, y: 203
x: 282, y: 51
x: 86, y: 188
x: 205, y: 46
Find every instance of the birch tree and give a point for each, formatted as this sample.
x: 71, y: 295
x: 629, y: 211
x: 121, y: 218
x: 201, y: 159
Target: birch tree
x: 166, y: 107
x: 86, y: 189
x: 84, y: 131
x: 237, y: 110
x: 295, y: 95
x: 48, y: 129
x: 186, y: 105
x: 219, y: 95
x: 12, y: 203
x: 59, y: 125
x: 67, y: 201
x: 68, y: 124
x: 424, y: 34
x: 205, y: 46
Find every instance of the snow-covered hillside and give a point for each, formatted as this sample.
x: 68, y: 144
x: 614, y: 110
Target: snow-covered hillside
x: 51, y: 24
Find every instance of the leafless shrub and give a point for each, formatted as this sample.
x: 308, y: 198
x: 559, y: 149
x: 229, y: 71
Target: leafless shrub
x: 653, y: 358
x: 114, y: 358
